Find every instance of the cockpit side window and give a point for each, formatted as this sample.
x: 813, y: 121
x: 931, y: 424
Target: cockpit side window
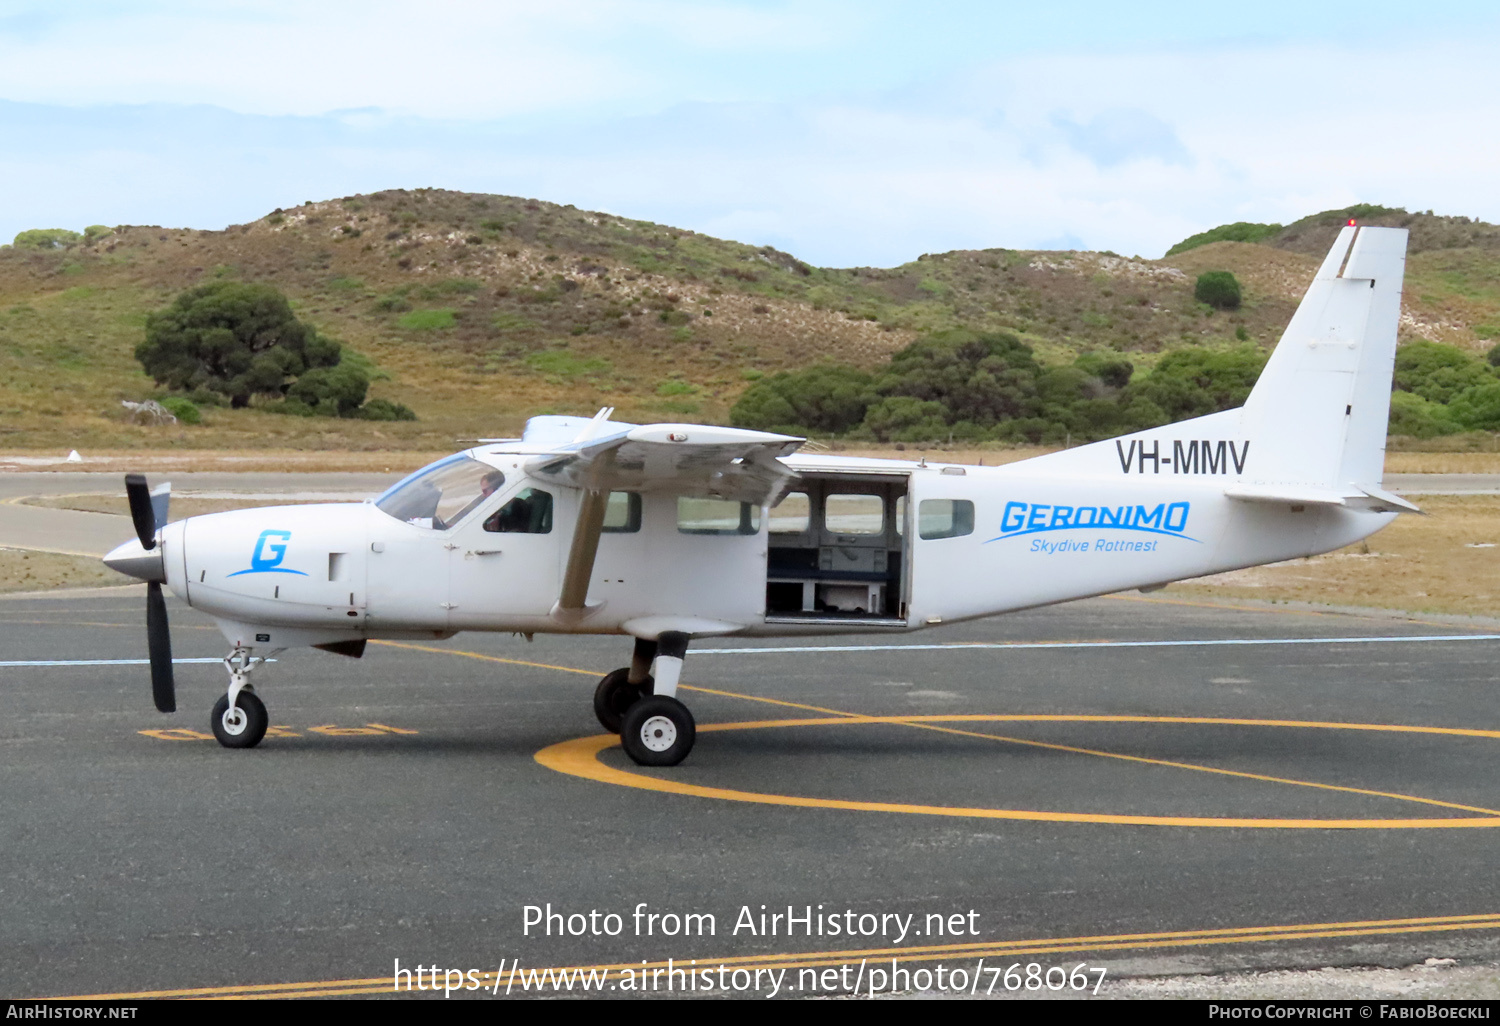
x: 530, y: 512
x: 440, y: 495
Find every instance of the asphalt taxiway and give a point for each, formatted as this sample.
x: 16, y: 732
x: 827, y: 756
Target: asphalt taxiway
x: 1133, y: 783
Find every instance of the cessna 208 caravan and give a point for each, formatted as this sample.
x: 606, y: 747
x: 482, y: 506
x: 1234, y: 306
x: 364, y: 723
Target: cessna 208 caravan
x: 666, y: 533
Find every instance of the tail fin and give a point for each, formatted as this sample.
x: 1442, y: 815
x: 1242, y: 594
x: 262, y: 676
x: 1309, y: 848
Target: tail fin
x: 1313, y: 428
x: 1318, y: 414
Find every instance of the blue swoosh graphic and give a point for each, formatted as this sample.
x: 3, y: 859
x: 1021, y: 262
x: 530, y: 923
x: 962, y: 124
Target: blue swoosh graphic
x: 273, y: 570
x: 1092, y: 527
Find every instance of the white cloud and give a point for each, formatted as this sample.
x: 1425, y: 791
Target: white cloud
x: 1125, y: 152
x: 440, y: 59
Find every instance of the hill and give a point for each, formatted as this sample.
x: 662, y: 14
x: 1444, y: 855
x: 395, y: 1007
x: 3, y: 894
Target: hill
x: 477, y: 311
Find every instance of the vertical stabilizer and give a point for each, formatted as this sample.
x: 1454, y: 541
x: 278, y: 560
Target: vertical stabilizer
x: 1318, y: 414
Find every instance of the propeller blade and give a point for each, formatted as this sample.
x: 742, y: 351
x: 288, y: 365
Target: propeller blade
x: 161, y: 499
x: 142, y: 513
x: 159, y: 645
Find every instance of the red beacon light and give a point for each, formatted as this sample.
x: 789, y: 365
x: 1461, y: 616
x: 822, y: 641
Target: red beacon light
x: 1351, y: 222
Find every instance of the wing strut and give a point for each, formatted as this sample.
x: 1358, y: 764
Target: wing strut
x: 580, y: 569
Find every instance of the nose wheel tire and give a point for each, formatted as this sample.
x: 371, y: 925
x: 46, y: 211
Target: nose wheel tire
x: 658, y: 731
x: 615, y: 695
x: 245, y: 726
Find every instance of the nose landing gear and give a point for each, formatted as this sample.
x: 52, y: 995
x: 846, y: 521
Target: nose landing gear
x: 239, y: 719
x: 242, y: 726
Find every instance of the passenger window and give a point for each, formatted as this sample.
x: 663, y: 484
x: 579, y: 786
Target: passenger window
x: 945, y: 518
x: 623, y: 514
x: 900, y: 515
x: 530, y: 512
x: 791, y: 515
x: 716, y: 516
x: 854, y: 514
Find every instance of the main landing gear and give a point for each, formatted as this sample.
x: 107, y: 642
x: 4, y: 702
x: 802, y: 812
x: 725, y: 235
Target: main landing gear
x: 655, y: 728
x: 239, y: 718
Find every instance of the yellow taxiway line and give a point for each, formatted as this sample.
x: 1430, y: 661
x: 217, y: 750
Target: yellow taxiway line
x: 967, y: 951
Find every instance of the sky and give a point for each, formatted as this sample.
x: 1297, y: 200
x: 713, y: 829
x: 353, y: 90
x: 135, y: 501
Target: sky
x: 848, y: 133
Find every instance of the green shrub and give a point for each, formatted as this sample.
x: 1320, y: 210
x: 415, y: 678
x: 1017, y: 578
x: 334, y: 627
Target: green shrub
x: 1477, y: 407
x: 201, y: 397
x: 513, y: 322
x: 95, y: 232
x: 984, y: 378
x: 289, y: 407
x: 1437, y: 372
x: 1195, y: 382
x: 563, y: 364
x: 185, y: 410
x: 234, y: 338
x: 384, y: 409
x: 1112, y: 371
x: 828, y: 398
x: 668, y: 388
x: 1420, y: 418
x: 1219, y: 289
x: 902, y: 418
x: 46, y: 238
x: 331, y: 391
x: 1240, y: 231
x: 428, y: 320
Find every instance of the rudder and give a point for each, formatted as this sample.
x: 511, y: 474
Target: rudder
x: 1319, y: 412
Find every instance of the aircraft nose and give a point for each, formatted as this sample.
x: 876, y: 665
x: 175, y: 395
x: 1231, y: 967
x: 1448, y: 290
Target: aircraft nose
x: 134, y: 560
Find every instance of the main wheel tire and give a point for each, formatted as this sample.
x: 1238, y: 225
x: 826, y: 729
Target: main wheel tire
x: 615, y: 695
x: 246, y: 727
x: 658, y: 731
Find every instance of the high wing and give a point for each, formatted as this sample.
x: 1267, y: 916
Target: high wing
x: 678, y: 459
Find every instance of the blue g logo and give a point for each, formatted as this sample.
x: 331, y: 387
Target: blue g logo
x: 269, y: 551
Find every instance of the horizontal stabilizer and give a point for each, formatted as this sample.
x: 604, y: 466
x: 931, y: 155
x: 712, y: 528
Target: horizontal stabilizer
x: 1366, y: 500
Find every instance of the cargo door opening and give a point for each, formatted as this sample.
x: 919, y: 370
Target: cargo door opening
x: 837, y: 546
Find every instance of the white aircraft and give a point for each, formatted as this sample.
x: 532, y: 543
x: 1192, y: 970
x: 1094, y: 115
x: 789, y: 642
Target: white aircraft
x: 671, y: 532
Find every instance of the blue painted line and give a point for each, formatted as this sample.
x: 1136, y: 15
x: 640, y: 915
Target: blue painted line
x: 102, y: 662
x: 959, y: 646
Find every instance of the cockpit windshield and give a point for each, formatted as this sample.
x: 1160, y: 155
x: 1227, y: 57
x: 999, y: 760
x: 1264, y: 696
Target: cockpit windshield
x: 440, y: 495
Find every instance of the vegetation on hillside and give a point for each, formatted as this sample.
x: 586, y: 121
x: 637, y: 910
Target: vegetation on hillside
x: 237, y: 341
x: 1219, y: 289
x: 961, y: 386
x: 477, y: 311
x: 1314, y: 234
x: 1240, y: 231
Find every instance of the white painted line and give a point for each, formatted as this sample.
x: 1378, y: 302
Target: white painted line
x: 102, y: 662
x: 959, y: 646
